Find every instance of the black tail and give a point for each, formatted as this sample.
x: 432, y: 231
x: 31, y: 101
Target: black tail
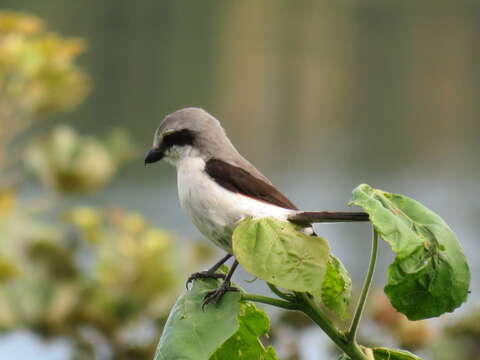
x: 309, y: 217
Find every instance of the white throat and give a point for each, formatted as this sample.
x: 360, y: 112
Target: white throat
x: 176, y: 154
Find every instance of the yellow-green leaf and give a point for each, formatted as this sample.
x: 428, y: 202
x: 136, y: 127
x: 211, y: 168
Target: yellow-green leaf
x: 245, y: 343
x: 337, y: 288
x: 277, y: 252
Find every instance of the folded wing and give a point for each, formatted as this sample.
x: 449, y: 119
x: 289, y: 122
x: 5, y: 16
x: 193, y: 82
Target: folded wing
x: 242, y: 182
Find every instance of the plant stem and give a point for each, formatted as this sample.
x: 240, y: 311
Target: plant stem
x: 351, y: 348
x: 279, y: 293
x: 309, y: 307
x: 270, y: 301
x: 366, y: 287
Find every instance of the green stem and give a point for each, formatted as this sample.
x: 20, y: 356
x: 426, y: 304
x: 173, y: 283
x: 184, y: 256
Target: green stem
x: 279, y: 293
x: 270, y: 301
x: 366, y: 287
x: 308, y: 306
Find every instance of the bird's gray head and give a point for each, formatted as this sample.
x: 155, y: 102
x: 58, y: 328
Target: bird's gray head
x: 188, y: 132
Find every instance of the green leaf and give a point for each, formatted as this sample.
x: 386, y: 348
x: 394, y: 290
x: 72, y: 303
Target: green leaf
x: 387, y: 354
x: 337, y: 288
x: 392, y: 354
x: 193, y: 334
x: 230, y: 330
x: 277, y: 252
x: 245, y: 343
x: 430, y: 275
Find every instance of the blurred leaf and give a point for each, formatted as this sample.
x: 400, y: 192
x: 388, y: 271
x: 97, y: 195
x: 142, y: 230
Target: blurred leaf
x: 430, y: 275
x: 245, y: 343
x: 391, y: 354
x: 7, y: 201
x: 277, y: 252
x: 68, y: 162
x: 122, y: 283
x: 193, y: 334
x: 337, y: 287
x: 38, y: 77
x: 134, y: 223
x: 37, y: 68
x: 7, y: 270
x: 88, y: 221
x: 15, y: 22
x: 120, y: 145
x: 134, y: 261
x: 58, y: 260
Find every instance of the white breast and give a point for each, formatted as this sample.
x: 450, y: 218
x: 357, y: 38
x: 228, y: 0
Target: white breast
x: 213, y: 209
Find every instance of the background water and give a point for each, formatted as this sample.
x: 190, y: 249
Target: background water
x: 319, y: 95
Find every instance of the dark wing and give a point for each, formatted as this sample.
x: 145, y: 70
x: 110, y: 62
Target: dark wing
x: 240, y: 181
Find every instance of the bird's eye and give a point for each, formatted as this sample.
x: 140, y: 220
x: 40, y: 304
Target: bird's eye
x: 179, y: 138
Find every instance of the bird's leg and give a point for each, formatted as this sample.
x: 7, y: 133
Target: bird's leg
x: 210, y: 273
x: 215, y: 295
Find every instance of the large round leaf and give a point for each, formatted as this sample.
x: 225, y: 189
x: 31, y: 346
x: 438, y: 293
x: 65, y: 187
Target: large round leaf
x: 277, y: 252
x: 193, y: 334
x: 227, y: 330
x: 430, y: 275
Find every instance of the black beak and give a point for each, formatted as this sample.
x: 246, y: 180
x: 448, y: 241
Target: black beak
x: 153, y: 155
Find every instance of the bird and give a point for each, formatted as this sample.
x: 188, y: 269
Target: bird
x: 218, y: 187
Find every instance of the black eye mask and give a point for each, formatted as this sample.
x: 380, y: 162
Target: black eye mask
x: 177, y: 138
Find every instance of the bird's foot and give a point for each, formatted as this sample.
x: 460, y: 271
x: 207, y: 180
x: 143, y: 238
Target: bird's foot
x: 216, y: 295
x: 204, y: 275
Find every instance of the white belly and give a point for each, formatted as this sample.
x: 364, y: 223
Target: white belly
x: 214, y: 210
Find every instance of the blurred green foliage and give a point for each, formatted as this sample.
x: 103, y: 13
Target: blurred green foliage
x: 68, y: 162
x: 108, y: 271
x: 39, y: 76
x: 38, y: 72
x: 99, y: 277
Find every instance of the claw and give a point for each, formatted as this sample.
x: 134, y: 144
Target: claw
x: 216, y: 295
x: 203, y: 275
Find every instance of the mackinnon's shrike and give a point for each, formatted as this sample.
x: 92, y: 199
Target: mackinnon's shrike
x: 218, y: 187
